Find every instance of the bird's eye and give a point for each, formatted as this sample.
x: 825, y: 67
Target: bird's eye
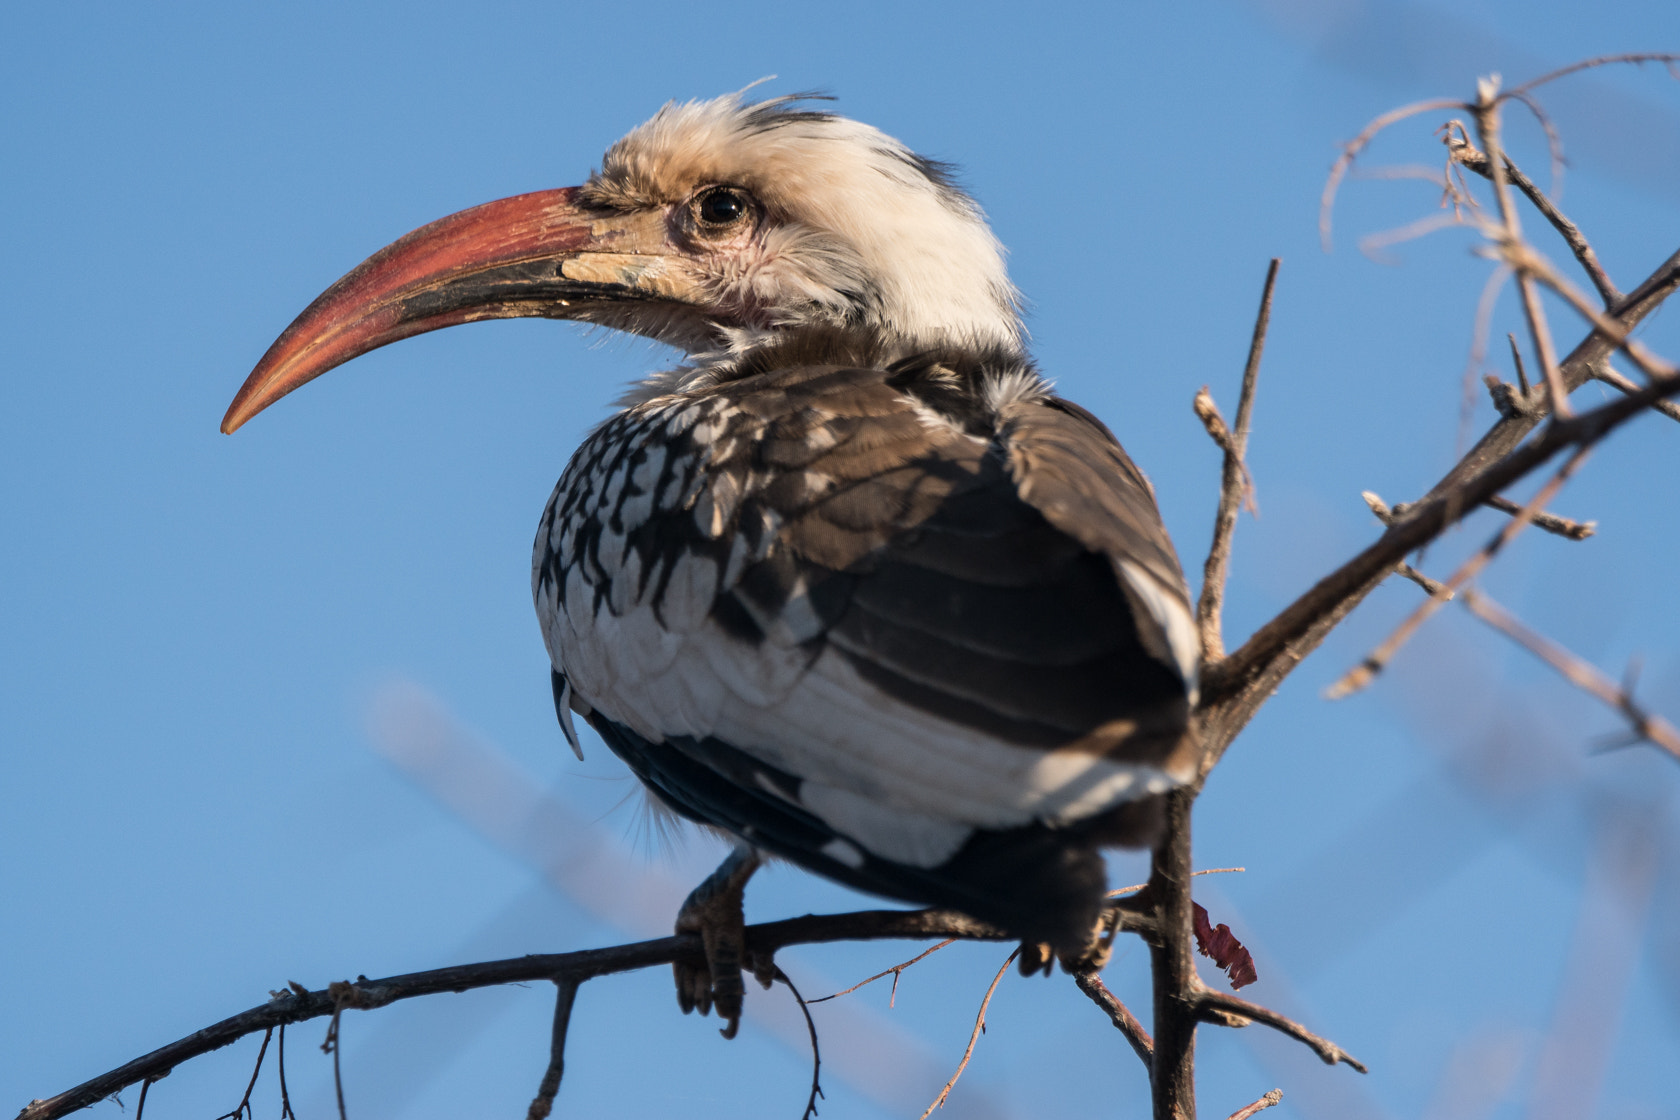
x: 721, y: 206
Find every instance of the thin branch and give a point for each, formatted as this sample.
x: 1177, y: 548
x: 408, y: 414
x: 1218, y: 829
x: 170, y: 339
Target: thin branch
x: 1486, y: 111
x: 1529, y: 262
x: 1124, y: 1021
x: 1351, y: 150
x: 1233, y: 689
x: 565, y: 996
x: 1601, y: 60
x: 895, y: 971
x: 1261, y: 1105
x: 299, y: 1005
x: 1578, y: 672
x: 1366, y: 671
x: 1212, y: 1005
x: 243, y: 1108
x: 1235, y: 482
x: 1433, y: 586
x: 1603, y: 372
x: 973, y: 1037
x: 145, y: 1087
x: 1517, y: 362
x: 286, y: 1112
x: 816, y: 1055
x: 1467, y: 155
x: 341, y: 993
x: 1548, y: 522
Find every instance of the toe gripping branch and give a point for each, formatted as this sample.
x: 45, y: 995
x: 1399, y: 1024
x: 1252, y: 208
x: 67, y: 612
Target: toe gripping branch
x: 714, y: 911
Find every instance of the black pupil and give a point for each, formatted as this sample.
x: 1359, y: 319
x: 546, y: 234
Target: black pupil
x: 722, y: 207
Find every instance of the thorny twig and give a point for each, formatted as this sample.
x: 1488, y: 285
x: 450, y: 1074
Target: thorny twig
x: 973, y: 1037
x: 564, y: 997
x: 816, y: 1055
x: 1261, y: 1105
x: 1235, y: 482
x: 1645, y: 725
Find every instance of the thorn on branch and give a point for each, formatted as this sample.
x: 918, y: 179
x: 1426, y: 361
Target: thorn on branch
x: 1644, y: 725
x: 1261, y: 1105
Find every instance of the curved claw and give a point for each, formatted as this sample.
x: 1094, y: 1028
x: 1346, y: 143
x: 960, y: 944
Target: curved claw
x: 714, y: 911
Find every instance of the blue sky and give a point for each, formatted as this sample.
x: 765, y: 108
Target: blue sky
x: 211, y: 644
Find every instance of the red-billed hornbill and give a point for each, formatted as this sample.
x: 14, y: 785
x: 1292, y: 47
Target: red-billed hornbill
x: 852, y: 584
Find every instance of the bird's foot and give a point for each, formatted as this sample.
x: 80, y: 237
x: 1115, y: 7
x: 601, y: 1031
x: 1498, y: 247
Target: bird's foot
x: 714, y: 911
x: 1040, y: 956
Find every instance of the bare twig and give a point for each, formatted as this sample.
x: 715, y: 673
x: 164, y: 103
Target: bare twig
x: 1211, y: 1004
x: 816, y: 1054
x: 1467, y: 155
x: 895, y: 971
x: 243, y: 1108
x: 1517, y: 362
x: 299, y: 1004
x: 1366, y: 671
x: 1578, y: 672
x: 1528, y: 261
x: 1433, y: 586
x: 1548, y: 522
x: 1635, y: 59
x: 973, y: 1037
x: 1235, y: 483
x: 145, y: 1087
x: 565, y: 996
x: 1351, y: 150
x: 337, y: 992
x: 1124, y: 1021
x: 1603, y: 372
x: 1261, y: 1105
x: 286, y: 1112
x: 1486, y: 111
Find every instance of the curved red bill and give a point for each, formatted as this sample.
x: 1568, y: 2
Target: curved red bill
x: 384, y: 298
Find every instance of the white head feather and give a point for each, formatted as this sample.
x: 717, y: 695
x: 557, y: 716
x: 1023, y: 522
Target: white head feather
x: 856, y: 229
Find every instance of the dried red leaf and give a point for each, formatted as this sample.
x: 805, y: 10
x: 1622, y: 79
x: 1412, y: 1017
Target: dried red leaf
x: 1223, y: 947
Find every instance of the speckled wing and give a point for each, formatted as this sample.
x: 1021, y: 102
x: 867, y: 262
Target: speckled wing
x: 809, y: 607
